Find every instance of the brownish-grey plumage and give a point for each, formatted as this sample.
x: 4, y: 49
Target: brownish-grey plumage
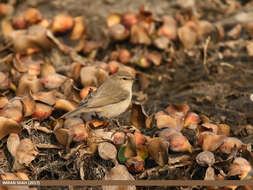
x: 110, y: 100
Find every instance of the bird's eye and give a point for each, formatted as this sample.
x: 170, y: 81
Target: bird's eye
x: 124, y: 78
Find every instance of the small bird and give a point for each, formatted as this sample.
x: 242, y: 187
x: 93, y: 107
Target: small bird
x: 110, y: 100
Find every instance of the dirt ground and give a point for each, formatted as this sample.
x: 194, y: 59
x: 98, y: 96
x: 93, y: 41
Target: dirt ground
x: 221, y: 89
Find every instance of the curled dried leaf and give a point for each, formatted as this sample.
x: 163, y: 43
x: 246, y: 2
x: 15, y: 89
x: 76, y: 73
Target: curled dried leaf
x: 124, y: 56
x: 86, y: 91
x: 53, y: 81
x: 118, y: 172
x: 47, y: 69
x: 158, y: 150
x: 208, y: 127
x: 211, y: 141
x: 4, y: 81
x: 29, y: 41
x: 129, y: 19
x: 29, y: 105
x: 135, y: 164
x: 45, y: 23
x: 210, y: 174
x: 168, y: 29
x: 203, y: 28
x: 66, y: 105
x: 138, y: 116
x: 107, y: 151
x: 229, y: 144
x: 8, y: 126
x: 205, y: 158
x: 14, y: 110
x: 223, y: 129
x: 13, y: 142
x: 191, y: 120
x: 240, y: 167
x: 62, y: 23
x: 163, y: 120
x: 118, y: 32
x: 187, y: 36
x: 45, y: 97
x: 177, y: 142
x: 42, y: 111
x: 119, y: 138
x: 4, y: 9
x: 62, y: 135
x: 77, y: 129
x: 14, y: 176
x: 25, y: 153
x: 19, y: 22
x: 249, y: 28
x: 235, y: 32
x: 28, y: 83
x: 177, y: 110
x: 79, y: 28
x: 249, y: 48
x: 139, y: 35
x: 3, y: 102
x: 155, y: 57
x: 161, y: 43
x: 112, y: 19
x: 32, y: 15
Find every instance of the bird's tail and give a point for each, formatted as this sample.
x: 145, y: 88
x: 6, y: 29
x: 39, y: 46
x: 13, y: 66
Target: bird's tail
x: 74, y: 112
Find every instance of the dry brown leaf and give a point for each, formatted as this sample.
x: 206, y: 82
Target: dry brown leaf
x: 62, y: 135
x: 79, y: 28
x: 66, y: 105
x: 249, y: 48
x: 135, y: 164
x: 240, y: 167
x: 25, y: 154
x: 205, y: 158
x: 211, y: 142
x: 158, y: 150
x: 118, y: 172
x: 42, y: 111
x: 224, y: 129
x: 14, y: 110
x: 29, y: 105
x: 210, y: 174
x: 53, y: 81
x: 13, y: 142
x: 107, y: 151
x: 229, y: 144
x: 138, y: 116
x: 27, y: 84
x: 8, y: 126
x: 62, y: 23
x: 139, y: 35
x: 45, y: 97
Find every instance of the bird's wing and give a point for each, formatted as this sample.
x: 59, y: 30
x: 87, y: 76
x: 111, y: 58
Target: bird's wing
x: 108, y: 93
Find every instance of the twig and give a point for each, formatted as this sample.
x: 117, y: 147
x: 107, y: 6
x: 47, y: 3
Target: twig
x: 205, y: 55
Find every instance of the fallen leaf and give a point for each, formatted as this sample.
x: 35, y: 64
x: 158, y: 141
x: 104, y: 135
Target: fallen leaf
x: 138, y: 116
x: 118, y: 172
x: 107, y: 151
x: 8, y: 126
x: 158, y: 150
